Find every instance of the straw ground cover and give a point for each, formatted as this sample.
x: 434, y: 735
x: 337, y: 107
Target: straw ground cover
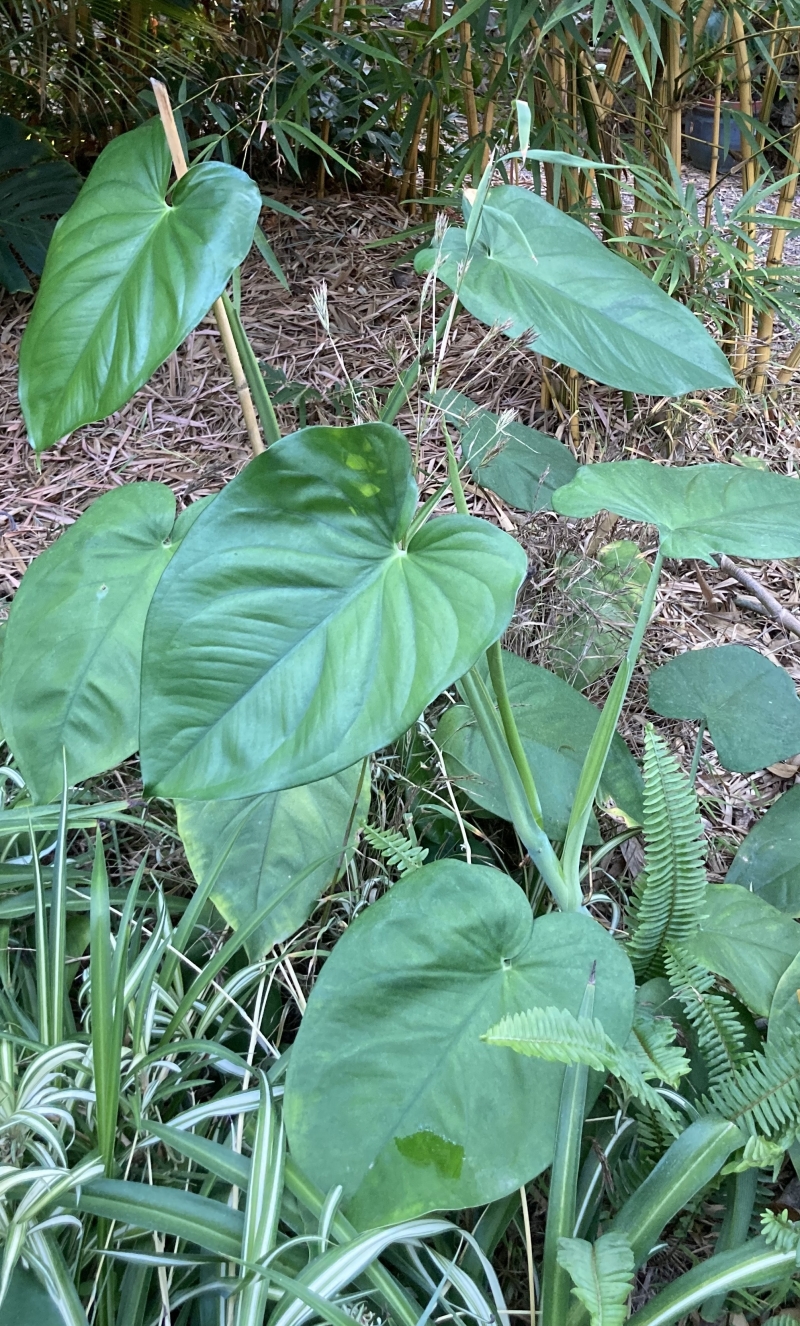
x: 183, y: 429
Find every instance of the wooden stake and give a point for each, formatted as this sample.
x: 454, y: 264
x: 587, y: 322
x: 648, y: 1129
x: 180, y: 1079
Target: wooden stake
x: 231, y: 353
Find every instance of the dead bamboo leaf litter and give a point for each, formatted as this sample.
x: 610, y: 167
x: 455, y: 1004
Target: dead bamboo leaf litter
x: 185, y: 429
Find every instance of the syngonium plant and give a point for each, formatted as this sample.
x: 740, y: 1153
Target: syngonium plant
x: 257, y: 651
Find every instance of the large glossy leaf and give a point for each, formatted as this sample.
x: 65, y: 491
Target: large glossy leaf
x: 768, y: 861
x: 748, y: 703
x: 127, y: 277
x: 521, y: 465
x: 556, y: 724
x: 698, y: 509
x: 281, y: 847
x: 295, y: 631
x: 390, y: 1090
x: 72, y: 659
x: 36, y: 187
x: 747, y: 941
x: 533, y: 268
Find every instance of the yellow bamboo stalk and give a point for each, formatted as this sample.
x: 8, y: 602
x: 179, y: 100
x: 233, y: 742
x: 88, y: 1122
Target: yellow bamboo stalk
x: 747, y: 244
x: 489, y: 109
x: 612, y: 73
x: 231, y: 353
x: 673, y: 81
x: 766, y: 322
x: 791, y: 363
x: 698, y: 28
x: 714, y: 166
x: 325, y: 129
x: 468, y: 83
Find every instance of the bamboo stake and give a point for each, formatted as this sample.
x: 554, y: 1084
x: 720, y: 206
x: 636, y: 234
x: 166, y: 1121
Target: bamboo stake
x: 766, y: 322
x: 231, y: 353
x: 712, y: 173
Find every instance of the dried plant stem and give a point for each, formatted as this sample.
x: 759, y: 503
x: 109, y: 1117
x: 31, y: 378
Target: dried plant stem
x: 782, y: 615
x: 223, y: 323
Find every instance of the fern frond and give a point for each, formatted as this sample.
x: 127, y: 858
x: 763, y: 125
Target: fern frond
x: 780, y: 1232
x: 669, y: 894
x: 763, y: 1096
x: 554, y: 1034
x: 602, y: 1273
x: 397, y: 850
x: 557, y: 1035
x: 652, y: 1046
x: 720, y: 1034
x: 759, y: 1153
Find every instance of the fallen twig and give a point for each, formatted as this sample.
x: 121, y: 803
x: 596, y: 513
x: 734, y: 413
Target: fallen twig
x: 782, y: 615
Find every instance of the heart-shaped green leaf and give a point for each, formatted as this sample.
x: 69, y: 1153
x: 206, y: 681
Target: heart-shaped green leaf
x: 72, y: 657
x: 533, y: 268
x: 521, y: 465
x: 127, y: 277
x: 281, y: 847
x: 768, y: 861
x: 747, y: 941
x: 748, y: 703
x: 390, y: 1090
x: 296, y: 630
x: 556, y: 724
x: 698, y: 509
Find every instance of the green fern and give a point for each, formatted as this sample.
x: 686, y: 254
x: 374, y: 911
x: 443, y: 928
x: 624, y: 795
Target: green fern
x: 652, y: 1045
x: 602, y: 1273
x: 763, y: 1095
x: 557, y: 1035
x: 720, y: 1034
x: 780, y: 1232
x: 398, y: 851
x: 669, y: 894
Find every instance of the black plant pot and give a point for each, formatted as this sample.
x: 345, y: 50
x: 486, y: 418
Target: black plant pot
x: 698, y: 128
